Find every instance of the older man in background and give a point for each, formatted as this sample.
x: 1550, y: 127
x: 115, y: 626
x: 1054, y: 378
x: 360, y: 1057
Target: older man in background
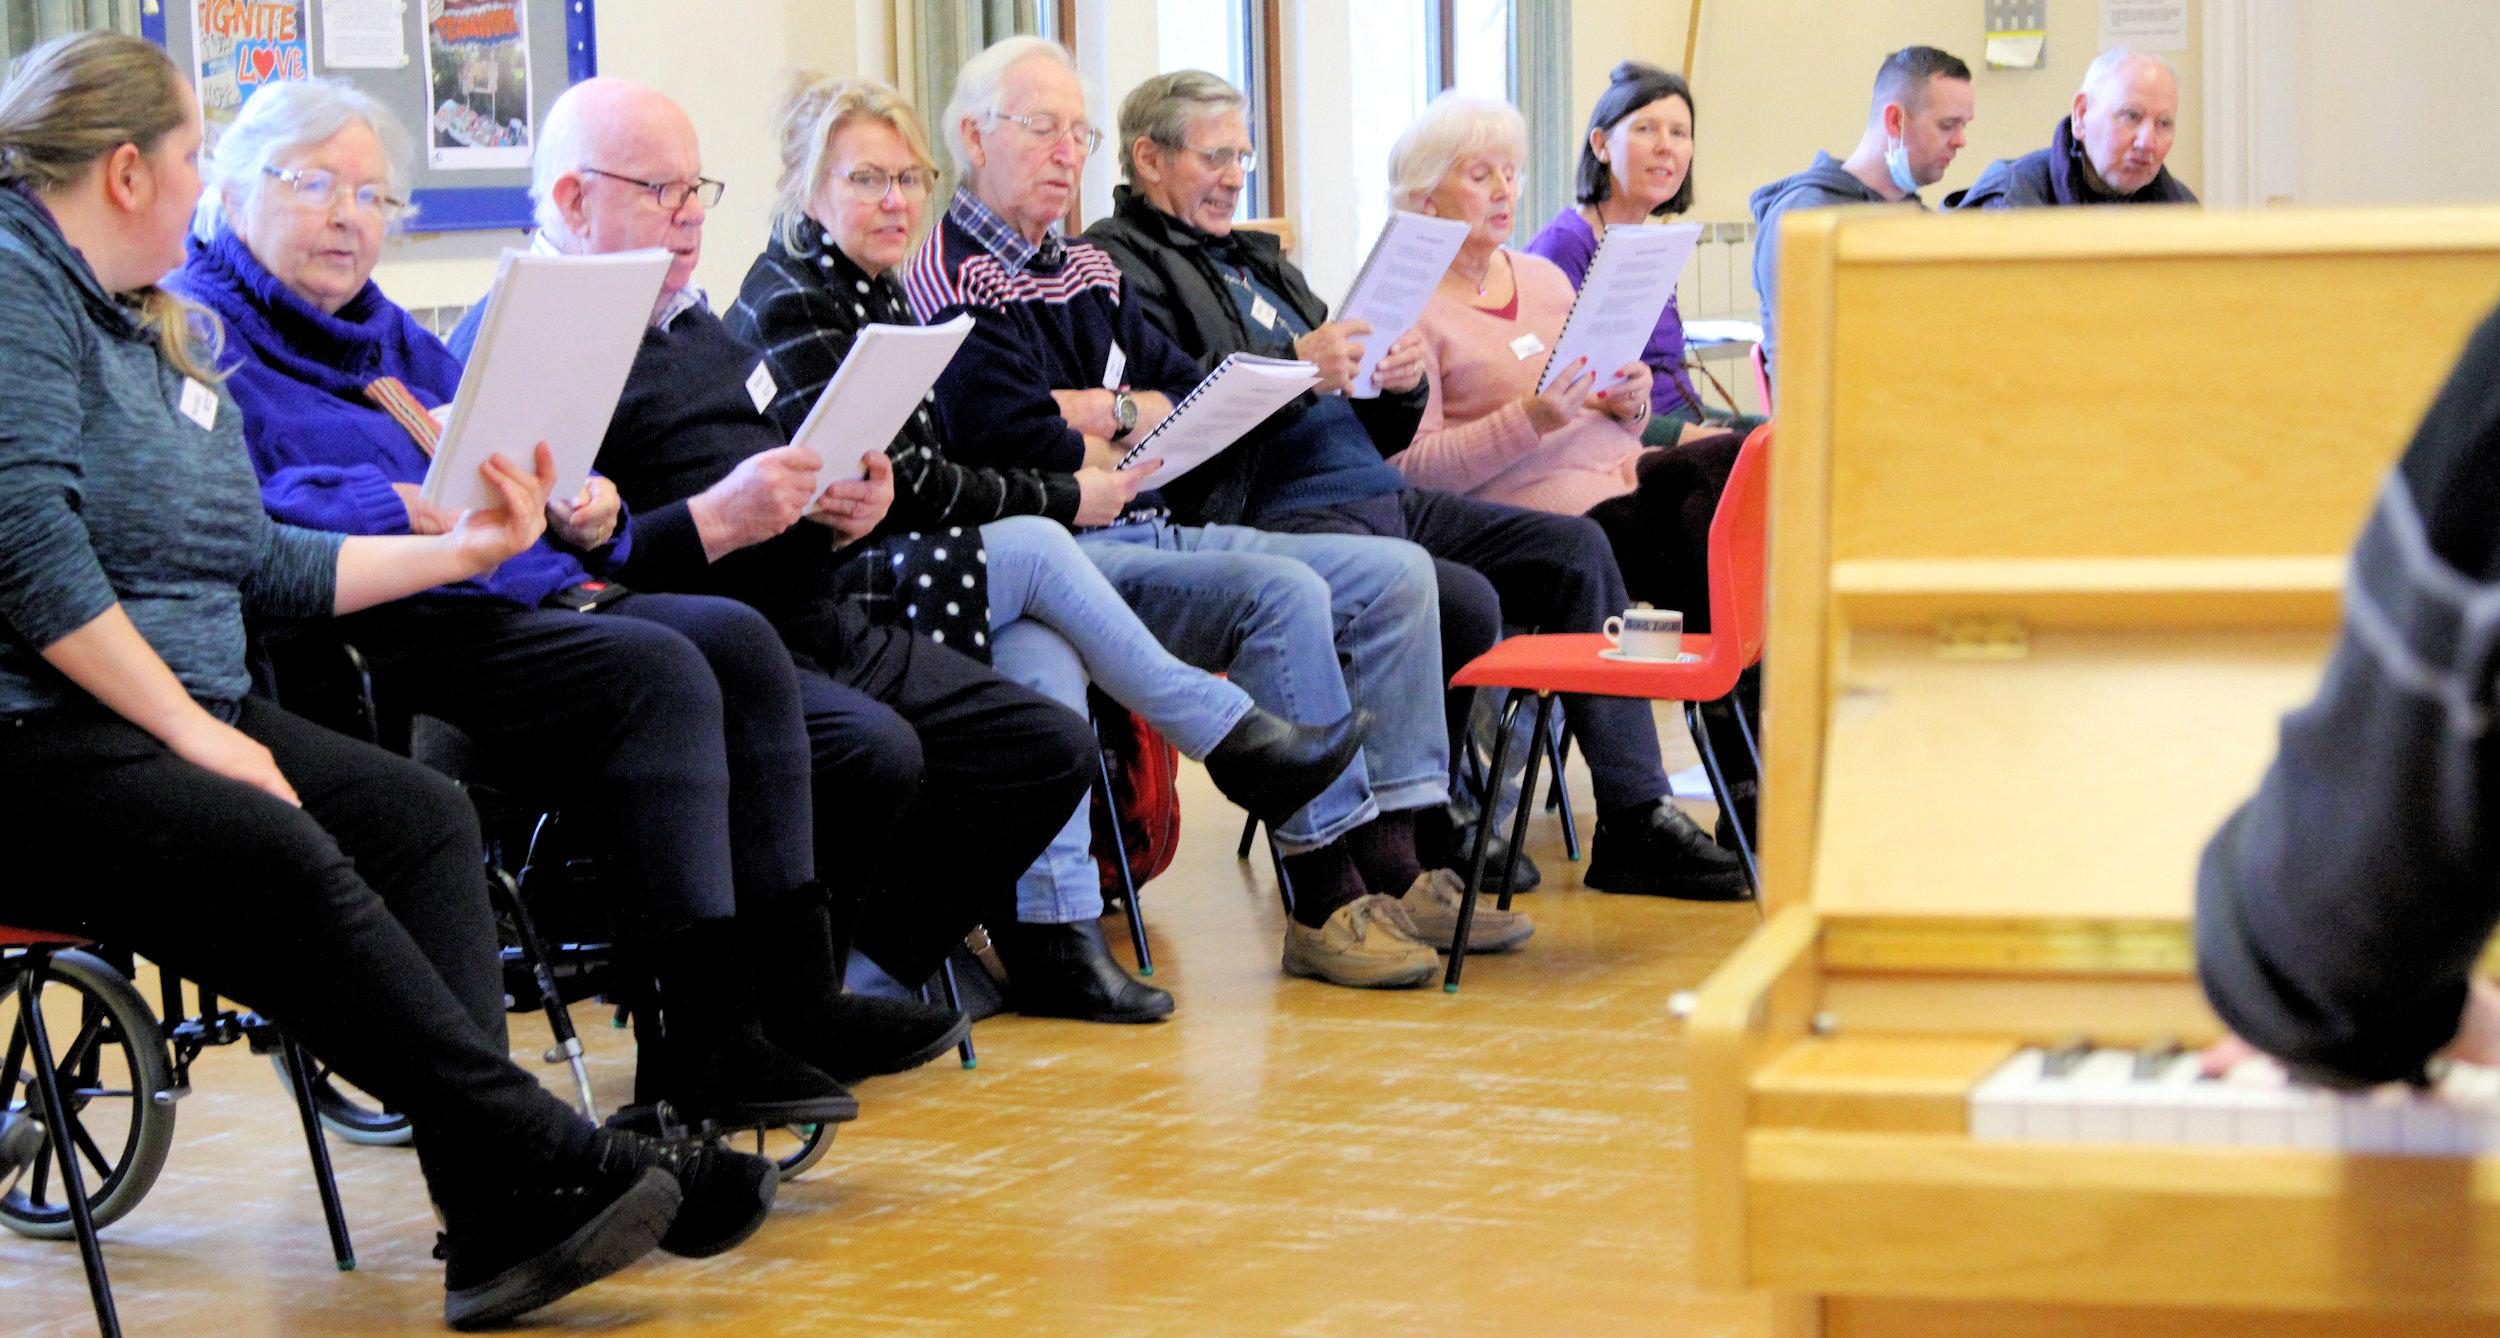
x: 2110, y: 149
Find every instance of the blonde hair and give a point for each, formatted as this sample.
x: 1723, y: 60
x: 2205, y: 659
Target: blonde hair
x: 813, y: 110
x: 67, y: 105
x: 1453, y: 128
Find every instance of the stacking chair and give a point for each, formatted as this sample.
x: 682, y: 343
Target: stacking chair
x: 34, y: 952
x: 1707, y: 673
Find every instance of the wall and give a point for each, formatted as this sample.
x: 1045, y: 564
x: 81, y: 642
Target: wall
x: 726, y: 71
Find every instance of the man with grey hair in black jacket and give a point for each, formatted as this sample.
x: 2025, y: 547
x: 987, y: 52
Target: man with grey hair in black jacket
x: 1318, y: 466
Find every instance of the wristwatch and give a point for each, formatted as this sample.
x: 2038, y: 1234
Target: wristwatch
x: 1124, y: 408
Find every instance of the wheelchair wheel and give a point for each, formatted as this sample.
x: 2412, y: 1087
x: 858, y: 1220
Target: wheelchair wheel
x: 345, y: 1110
x: 795, y: 1148
x: 113, y: 1066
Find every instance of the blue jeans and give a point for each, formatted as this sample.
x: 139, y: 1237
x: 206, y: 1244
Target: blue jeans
x: 1306, y: 623
x: 1055, y: 625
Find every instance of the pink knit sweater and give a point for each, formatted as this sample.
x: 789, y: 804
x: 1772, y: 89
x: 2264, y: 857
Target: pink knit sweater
x: 1477, y: 439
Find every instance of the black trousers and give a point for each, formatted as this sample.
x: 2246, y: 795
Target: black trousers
x: 670, y: 722
x: 358, y: 922
x: 1501, y: 564
x: 937, y: 782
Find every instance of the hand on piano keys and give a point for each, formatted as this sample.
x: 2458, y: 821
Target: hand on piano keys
x: 2080, y: 1094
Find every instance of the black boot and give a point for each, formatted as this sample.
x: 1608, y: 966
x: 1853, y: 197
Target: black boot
x: 1066, y: 971
x: 720, y: 1068
x: 1658, y: 852
x: 798, y: 956
x: 1272, y: 767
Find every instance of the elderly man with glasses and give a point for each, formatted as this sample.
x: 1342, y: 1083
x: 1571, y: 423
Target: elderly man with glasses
x: 1059, y: 375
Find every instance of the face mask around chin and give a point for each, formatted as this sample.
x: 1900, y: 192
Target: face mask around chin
x: 1897, y: 162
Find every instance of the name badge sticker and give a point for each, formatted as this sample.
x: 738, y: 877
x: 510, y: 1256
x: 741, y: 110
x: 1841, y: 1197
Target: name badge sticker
x: 199, y: 404
x: 761, y: 389
x: 1526, y: 346
x: 1113, y: 367
x: 1262, y: 312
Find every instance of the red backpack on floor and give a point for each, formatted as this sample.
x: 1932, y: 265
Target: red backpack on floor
x: 1145, y: 797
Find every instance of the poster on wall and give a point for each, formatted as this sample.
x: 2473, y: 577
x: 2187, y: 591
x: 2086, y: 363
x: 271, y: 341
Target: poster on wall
x: 477, y: 76
x: 242, y: 46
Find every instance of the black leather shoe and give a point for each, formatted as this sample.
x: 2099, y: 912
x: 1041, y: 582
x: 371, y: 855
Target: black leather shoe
x: 1658, y: 852
x: 516, y: 1246
x: 1743, y: 799
x: 1271, y: 766
x: 872, y: 1036
x: 1462, y: 848
x: 1066, y: 971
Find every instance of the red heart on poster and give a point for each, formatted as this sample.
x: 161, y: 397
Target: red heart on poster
x: 262, y: 61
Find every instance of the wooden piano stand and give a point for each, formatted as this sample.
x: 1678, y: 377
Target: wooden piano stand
x: 2059, y: 516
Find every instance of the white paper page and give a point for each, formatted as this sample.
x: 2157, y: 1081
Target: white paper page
x: 1406, y: 263
x: 363, y: 35
x: 1626, y: 290
x: 885, y: 377
x: 553, y: 351
x: 1236, y: 397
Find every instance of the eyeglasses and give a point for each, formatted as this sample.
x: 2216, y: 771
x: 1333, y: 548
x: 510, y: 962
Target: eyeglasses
x: 869, y: 184
x: 1219, y: 159
x: 671, y: 196
x: 1049, y: 128
x: 316, y: 189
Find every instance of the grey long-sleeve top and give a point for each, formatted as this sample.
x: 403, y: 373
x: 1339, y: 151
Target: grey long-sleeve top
x: 111, y: 493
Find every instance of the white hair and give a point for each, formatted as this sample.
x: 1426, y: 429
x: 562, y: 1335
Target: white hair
x: 282, y: 118
x: 979, y: 83
x: 564, y: 147
x: 1454, y: 127
x: 2114, y: 62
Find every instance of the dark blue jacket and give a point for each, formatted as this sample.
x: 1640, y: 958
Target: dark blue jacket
x: 327, y: 455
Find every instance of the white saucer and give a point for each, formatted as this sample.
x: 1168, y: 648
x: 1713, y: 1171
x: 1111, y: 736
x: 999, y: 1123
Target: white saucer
x: 1616, y: 654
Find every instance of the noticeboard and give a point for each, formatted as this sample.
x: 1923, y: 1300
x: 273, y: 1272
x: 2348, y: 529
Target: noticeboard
x: 471, y: 79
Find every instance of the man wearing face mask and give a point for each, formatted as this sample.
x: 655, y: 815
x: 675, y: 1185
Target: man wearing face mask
x: 2109, y: 149
x: 1922, y: 106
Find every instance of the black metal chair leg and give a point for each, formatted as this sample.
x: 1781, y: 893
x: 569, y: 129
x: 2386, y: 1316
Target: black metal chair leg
x: 1284, y: 881
x: 1519, y: 820
x: 1475, y: 858
x: 1744, y: 726
x: 333, y: 1216
x: 1119, y: 855
x: 1558, y: 797
x: 1249, y: 830
x: 1720, y: 790
x: 64, y: 1148
x: 955, y: 1000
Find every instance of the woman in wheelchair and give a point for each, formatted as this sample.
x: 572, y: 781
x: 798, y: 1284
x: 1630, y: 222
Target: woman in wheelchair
x: 670, y: 722
x: 333, y: 886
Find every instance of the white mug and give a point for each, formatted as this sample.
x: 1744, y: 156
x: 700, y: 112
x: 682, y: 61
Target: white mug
x: 1647, y: 634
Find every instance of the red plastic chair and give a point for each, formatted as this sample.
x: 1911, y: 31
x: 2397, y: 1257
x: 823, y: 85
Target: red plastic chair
x: 1761, y: 378
x: 30, y: 954
x: 1569, y: 662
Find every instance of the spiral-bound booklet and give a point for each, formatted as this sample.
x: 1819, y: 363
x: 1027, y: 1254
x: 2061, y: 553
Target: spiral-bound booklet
x: 1629, y: 281
x: 1406, y: 263
x: 1234, y: 398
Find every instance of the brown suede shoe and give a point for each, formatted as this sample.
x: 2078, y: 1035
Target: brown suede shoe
x: 1431, y: 906
x: 1364, y: 946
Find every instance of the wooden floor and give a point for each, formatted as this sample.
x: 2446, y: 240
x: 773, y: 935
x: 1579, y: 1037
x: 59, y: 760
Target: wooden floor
x: 1283, y: 1158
